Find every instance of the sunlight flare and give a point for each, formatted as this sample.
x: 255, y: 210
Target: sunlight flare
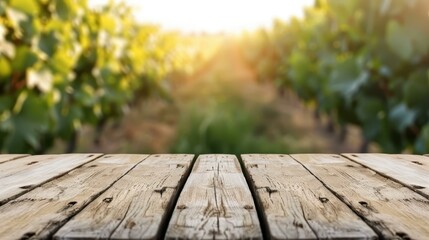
x: 214, y: 16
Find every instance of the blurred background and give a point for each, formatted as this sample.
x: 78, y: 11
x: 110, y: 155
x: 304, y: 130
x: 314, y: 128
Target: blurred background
x: 198, y: 76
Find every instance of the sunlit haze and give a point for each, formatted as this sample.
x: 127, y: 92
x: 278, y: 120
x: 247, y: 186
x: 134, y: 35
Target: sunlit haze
x: 213, y: 16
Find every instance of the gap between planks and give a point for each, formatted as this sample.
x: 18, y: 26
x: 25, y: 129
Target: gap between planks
x: 137, y: 206
x: 40, y: 212
x: 409, y: 170
x: 295, y: 205
x: 391, y: 209
x: 215, y: 203
x: 24, y: 174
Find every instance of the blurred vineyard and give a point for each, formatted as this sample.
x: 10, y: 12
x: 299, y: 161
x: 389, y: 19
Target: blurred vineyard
x: 361, y: 63
x: 66, y: 68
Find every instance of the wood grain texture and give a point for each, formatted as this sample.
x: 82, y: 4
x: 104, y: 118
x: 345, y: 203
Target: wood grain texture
x: 392, y: 209
x: 296, y: 205
x: 23, y: 174
x: 40, y: 212
x: 9, y: 157
x: 215, y: 203
x: 410, y: 170
x: 136, y: 206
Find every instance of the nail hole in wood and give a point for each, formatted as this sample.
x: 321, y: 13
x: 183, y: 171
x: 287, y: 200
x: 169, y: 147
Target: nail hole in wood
x: 26, y: 187
x: 416, y: 162
x: 31, y: 163
x: 108, y: 199
x: 335, y: 156
x: 349, y: 165
x: 363, y: 203
x: 323, y: 199
x: 417, y: 187
x: 28, y: 235
x: 354, y: 155
x: 281, y: 155
x: 181, y: 207
x: 108, y: 156
x: 402, y: 235
x: 248, y: 207
x: 70, y: 204
x: 93, y: 166
x: 298, y: 224
x: 90, y: 155
x: 180, y: 165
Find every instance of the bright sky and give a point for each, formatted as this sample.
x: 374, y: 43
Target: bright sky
x: 214, y: 15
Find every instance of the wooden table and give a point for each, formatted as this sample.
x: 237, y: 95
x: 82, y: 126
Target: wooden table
x: 304, y: 196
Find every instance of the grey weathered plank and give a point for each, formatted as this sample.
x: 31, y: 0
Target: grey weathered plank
x: 9, y: 157
x: 136, y: 206
x: 392, y: 209
x: 410, y: 170
x: 296, y: 205
x: 23, y: 174
x: 215, y: 203
x: 40, y: 212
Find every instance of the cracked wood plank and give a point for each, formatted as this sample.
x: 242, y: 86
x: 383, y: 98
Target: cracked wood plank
x: 39, y: 213
x: 9, y: 157
x: 136, y: 206
x: 296, y: 205
x: 216, y: 203
x: 393, y: 210
x: 24, y: 174
x: 410, y: 170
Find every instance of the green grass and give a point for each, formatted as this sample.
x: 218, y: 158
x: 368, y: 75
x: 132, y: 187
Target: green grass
x: 223, y: 126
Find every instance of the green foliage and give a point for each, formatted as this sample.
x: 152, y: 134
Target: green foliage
x: 217, y: 128
x: 63, y: 65
x: 360, y: 62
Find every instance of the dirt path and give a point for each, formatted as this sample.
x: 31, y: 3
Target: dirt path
x: 151, y: 126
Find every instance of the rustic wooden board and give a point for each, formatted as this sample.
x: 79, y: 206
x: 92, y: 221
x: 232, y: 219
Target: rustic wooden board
x: 9, y: 157
x: 296, y: 205
x: 136, y: 206
x: 40, y: 212
x: 23, y: 174
x: 216, y: 203
x: 392, y: 209
x: 410, y: 170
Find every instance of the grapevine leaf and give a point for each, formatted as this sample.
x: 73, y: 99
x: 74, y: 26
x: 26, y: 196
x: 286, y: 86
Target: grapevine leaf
x: 5, y: 68
x: 24, y: 59
x: 347, y: 79
x: 370, y: 112
x: 399, y: 41
x: 416, y: 91
x: 402, y: 117
x: 30, y: 7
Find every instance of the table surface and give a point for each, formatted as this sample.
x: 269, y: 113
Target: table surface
x: 181, y: 196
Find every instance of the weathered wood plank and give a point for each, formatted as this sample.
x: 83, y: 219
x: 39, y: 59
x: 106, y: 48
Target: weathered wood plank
x: 392, y: 209
x: 23, y: 174
x: 296, y: 205
x: 40, y: 212
x: 215, y: 203
x: 410, y: 170
x: 136, y: 206
x: 9, y: 157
